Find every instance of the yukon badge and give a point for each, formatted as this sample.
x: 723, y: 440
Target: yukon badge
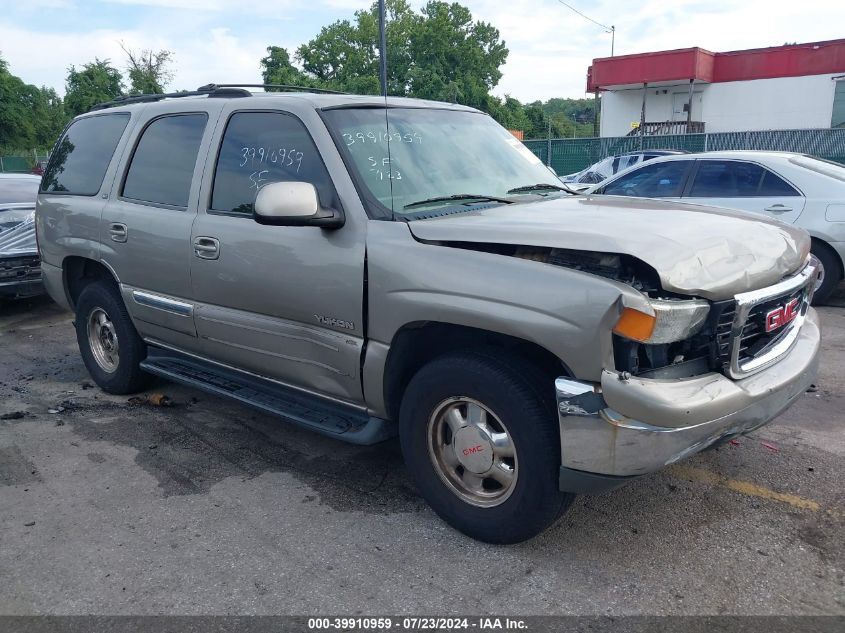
x: 332, y: 322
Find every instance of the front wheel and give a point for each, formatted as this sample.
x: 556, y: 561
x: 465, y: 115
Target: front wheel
x: 110, y: 346
x: 481, y: 441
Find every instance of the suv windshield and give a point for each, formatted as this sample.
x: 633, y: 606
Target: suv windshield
x: 428, y: 159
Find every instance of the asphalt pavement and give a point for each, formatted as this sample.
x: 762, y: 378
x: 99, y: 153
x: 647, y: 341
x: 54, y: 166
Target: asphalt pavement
x: 176, y: 502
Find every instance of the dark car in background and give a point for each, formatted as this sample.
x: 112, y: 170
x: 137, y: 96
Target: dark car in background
x: 607, y: 167
x: 20, y: 267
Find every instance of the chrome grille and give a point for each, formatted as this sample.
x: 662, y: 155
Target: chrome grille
x: 742, y: 343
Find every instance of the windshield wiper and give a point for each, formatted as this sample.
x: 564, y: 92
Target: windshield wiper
x: 540, y: 186
x: 457, y: 196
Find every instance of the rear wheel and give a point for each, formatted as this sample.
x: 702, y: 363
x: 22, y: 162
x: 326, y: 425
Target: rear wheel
x: 831, y: 273
x: 481, y: 441
x: 110, y: 346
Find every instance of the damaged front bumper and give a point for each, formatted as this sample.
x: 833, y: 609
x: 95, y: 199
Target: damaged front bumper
x: 20, y: 266
x: 631, y: 426
x: 20, y: 276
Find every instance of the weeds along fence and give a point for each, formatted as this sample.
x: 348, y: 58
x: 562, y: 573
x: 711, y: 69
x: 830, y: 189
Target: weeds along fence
x: 570, y: 155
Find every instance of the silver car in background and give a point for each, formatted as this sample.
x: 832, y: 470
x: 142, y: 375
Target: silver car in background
x: 20, y: 267
x: 607, y: 167
x: 793, y: 188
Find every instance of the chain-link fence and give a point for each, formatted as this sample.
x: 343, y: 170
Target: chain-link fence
x: 570, y: 155
x: 21, y: 162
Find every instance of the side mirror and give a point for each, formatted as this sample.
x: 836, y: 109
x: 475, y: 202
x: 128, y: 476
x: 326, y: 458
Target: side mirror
x: 293, y: 204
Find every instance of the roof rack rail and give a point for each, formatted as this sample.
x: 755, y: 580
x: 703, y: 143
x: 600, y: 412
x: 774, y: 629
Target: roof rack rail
x: 281, y: 87
x: 210, y: 90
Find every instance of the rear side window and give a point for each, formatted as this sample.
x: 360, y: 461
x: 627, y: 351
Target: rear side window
x: 162, y: 166
x: 737, y: 179
x: 652, y: 180
x: 80, y: 159
x: 263, y: 147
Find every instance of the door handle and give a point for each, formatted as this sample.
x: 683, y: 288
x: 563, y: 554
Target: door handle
x: 207, y: 247
x: 118, y: 232
x: 778, y: 208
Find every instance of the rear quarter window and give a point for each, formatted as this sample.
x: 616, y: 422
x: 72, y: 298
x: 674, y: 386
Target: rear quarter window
x: 82, y: 156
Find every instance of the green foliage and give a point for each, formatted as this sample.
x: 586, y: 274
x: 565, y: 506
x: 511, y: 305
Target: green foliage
x: 455, y: 59
x: 96, y: 82
x: 30, y: 117
x: 277, y: 68
x: 439, y: 53
x: 149, y: 71
x: 345, y: 55
x: 568, y: 117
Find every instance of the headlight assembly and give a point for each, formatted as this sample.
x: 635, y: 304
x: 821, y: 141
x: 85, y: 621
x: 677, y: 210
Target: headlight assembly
x: 671, y: 321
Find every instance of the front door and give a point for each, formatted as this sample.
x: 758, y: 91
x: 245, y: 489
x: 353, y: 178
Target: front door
x: 146, y: 225
x: 679, y: 106
x: 285, y: 303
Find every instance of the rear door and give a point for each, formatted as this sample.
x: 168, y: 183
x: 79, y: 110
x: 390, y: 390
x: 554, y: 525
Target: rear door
x: 146, y: 225
x: 747, y: 186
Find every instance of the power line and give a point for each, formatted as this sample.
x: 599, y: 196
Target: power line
x: 607, y: 29
x: 587, y: 17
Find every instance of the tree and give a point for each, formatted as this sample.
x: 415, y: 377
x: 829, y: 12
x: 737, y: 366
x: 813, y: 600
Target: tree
x: 96, y: 82
x: 149, y: 71
x: 454, y: 58
x: 30, y: 117
x: 438, y: 53
x: 345, y: 55
x: 276, y: 68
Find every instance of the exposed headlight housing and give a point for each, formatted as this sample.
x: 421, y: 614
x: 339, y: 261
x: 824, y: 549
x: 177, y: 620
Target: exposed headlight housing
x: 670, y: 321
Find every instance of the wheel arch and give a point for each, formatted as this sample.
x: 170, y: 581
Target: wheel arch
x: 819, y: 242
x: 419, y: 342
x: 78, y: 272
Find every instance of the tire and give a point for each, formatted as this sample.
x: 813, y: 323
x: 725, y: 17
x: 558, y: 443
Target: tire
x: 510, y: 396
x: 832, y: 272
x: 110, y: 346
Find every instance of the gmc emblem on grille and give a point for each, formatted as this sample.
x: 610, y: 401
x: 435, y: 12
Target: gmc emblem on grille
x: 781, y: 315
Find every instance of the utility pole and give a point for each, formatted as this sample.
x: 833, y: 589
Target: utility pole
x: 382, y: 49
x: 612, y: 39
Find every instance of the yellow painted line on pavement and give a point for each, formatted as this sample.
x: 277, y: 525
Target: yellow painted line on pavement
x: 703, y: 476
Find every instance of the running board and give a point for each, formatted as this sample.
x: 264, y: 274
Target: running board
x: 311, y: 412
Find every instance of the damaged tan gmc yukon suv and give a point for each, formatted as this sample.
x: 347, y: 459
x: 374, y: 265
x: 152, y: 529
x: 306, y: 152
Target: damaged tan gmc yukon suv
x: 367, y: 267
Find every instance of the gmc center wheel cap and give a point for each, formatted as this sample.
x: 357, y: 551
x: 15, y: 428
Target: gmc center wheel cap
x: 473, y: 449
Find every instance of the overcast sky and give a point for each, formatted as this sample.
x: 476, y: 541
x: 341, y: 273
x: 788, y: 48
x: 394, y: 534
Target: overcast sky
x: 550, y: 46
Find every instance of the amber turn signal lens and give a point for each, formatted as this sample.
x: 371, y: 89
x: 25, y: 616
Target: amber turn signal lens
x: 635, y: 325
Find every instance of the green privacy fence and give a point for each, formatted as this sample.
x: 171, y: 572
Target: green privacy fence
x: 574, y: 154
x: 20, y: 162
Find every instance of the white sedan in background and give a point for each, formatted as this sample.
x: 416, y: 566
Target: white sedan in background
x: 792, y: 188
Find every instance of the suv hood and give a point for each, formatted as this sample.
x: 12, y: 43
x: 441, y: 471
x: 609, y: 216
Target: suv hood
x: 696, y: 250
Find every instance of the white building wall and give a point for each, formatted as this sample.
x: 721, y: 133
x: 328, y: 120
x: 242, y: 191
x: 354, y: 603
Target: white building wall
x: 783, y: 103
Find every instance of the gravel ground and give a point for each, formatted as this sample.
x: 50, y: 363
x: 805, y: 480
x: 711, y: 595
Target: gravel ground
x: 112, y: 505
